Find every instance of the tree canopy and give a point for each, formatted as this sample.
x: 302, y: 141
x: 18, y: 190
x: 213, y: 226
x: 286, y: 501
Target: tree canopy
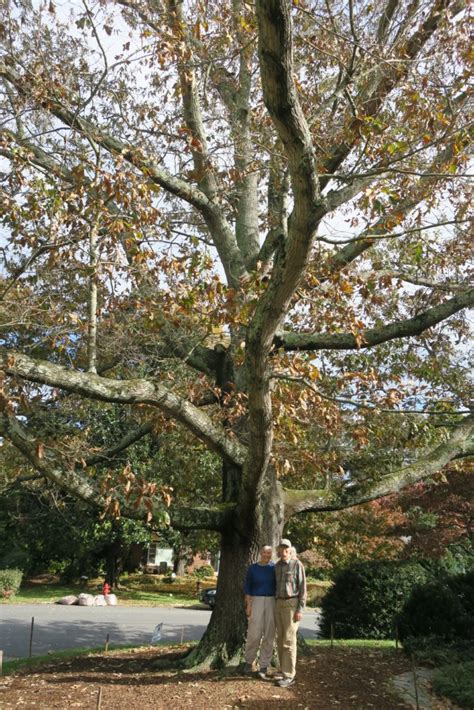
x: 245, y: 225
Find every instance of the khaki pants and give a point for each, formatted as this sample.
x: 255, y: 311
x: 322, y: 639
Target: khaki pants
x: 286, y: 630
x: 261, y: 627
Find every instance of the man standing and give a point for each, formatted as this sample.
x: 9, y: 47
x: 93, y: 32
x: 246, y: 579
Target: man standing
x: 290, y: 602
x: 260, y: 610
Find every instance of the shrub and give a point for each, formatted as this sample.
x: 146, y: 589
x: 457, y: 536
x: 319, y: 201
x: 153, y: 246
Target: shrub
x: 457, y: 683
x: 10, y: 580
x: 169, y: 580
x: 436, y: 651
x: 204, y: 571
x: 441, y: 608
x: 366, y: 598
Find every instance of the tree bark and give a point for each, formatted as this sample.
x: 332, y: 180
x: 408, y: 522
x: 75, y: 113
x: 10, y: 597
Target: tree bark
x: 223, y: 640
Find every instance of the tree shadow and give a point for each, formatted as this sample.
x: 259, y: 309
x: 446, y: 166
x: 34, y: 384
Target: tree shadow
x: 55, y: 635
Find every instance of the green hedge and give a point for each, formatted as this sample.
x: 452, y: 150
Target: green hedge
x: 441, y: 608
x: 367, y: 597
x: 10, y: 580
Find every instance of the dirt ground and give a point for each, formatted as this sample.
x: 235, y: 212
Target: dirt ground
x: 326, y: 678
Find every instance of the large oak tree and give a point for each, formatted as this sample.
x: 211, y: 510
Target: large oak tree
x: 248, y: 222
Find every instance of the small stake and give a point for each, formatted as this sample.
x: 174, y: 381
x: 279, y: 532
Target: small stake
x: 332, y: 634
x: 1, y: 662
x: 415, y: 681
x: 106, y: 644
x: 31, y: 634
x: 182, y: 634
x: 396, y: 637
x: 99, y: 699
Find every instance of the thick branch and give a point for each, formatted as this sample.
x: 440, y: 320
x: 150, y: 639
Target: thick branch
x: 281, y: 100
x: 374, y: 336
x: 126, y: 391
x: 50, y: 466
x: 205, y: 174
x: 386, y: 17
x: 460, y: 444
x: 65, y: 477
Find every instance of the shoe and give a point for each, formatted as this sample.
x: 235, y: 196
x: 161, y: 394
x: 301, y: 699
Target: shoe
x: 285, y: 682
x: 278, y: 675
x: 248, y: 668
x: 263, y: 673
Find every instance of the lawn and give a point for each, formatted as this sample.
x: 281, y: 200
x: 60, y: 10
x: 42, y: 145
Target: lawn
x: 128, y: 595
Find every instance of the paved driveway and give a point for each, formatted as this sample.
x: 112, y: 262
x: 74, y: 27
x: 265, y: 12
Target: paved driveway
x: 59, y: 627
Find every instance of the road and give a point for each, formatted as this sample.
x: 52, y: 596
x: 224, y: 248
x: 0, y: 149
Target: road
x: 59, y: 627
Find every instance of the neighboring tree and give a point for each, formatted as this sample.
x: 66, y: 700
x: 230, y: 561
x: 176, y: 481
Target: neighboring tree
x: 248, y: 222
x: 46, y: 531
x: 431, y: 520
x: 439, y: 517
x: 330, y: 542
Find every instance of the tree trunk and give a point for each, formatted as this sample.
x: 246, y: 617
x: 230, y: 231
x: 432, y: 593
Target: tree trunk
x: 113, y: 565
x: 224, y: 639
x: 181, y: 556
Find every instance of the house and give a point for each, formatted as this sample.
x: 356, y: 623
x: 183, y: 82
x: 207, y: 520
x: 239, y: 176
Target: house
x: 161, y: 560
x: 158, y: 559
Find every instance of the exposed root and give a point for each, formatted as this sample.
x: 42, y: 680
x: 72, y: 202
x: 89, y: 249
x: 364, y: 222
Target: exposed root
x: 205, y: 658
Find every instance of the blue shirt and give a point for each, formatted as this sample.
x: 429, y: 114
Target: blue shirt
x: 260, y: 580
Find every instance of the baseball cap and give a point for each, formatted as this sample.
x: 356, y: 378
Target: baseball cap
x: 284, y: 543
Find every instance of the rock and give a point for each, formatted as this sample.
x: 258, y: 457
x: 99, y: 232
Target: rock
x: 111, y: 599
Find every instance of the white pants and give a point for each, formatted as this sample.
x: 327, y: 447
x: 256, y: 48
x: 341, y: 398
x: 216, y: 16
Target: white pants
x: 261, y: 627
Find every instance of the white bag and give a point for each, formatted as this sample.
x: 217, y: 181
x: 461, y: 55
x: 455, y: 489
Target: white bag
x: 99, y: 600
x: 111, y: 600
x: 86, y: 599
x: 68, y: 600
x: 156, y: 637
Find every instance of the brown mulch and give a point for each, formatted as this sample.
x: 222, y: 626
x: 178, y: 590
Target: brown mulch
x: 326, y: 678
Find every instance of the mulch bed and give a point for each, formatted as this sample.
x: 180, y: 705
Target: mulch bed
x: 326, y: 678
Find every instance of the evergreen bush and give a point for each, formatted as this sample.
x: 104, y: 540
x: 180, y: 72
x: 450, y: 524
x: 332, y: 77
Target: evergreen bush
x: 440, y: 608
x: 367, y: 597
x: 10, y: 580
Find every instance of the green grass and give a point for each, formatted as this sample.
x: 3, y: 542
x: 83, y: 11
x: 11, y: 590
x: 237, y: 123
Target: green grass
x: 353, y: 643
x: 456, y: 682
x: 128, y: 597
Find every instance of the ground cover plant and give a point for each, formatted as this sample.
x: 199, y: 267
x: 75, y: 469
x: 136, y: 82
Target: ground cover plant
x: 457, y: 683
